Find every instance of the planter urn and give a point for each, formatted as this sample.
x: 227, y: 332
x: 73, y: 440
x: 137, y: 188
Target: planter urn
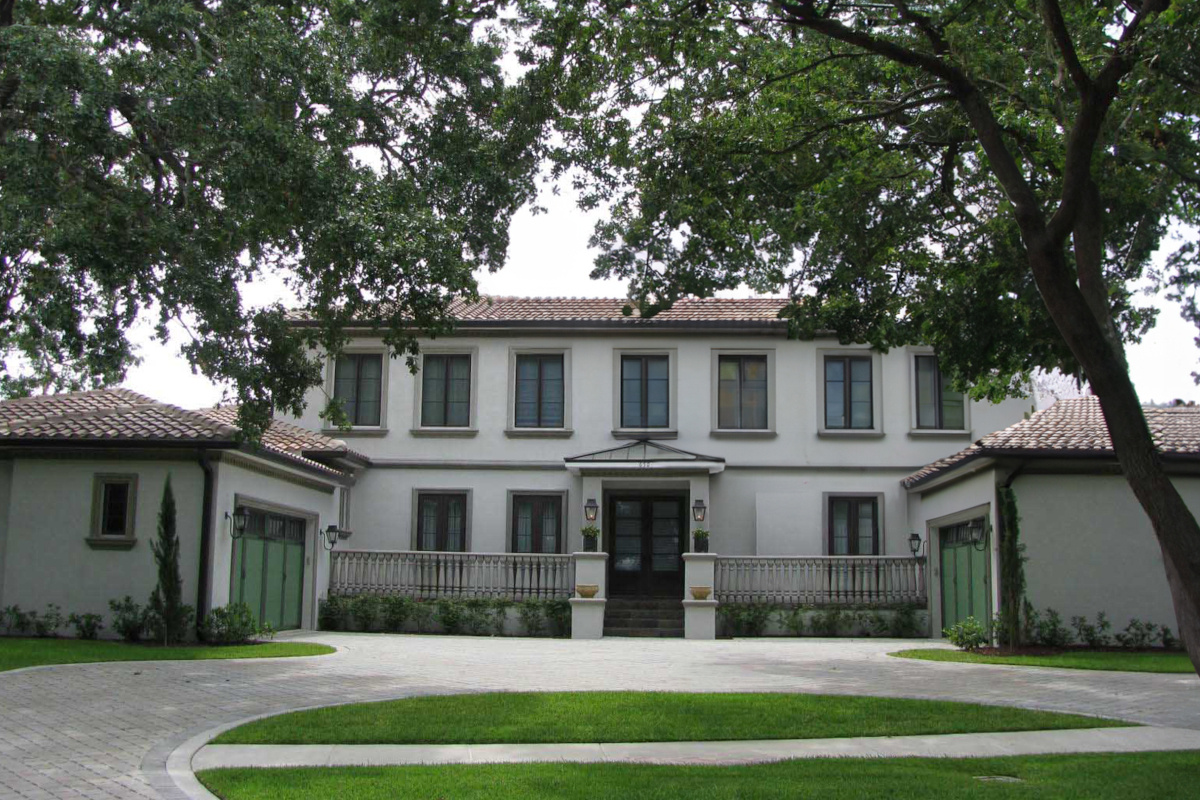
x: 587, y: 590
x: 701, y: 592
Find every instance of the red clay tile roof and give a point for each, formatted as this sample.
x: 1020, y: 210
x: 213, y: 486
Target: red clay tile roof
x: 515, y: 310
x: 123, y: 416
x: 1072, y: 428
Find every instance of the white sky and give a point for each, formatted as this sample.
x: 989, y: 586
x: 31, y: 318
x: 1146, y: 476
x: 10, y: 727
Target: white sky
x: 548, y: 257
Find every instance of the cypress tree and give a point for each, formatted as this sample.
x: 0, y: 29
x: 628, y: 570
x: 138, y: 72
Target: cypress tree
x: 166, y: 602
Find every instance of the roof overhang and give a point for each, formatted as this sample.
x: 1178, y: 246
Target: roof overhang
x: 643, y: 457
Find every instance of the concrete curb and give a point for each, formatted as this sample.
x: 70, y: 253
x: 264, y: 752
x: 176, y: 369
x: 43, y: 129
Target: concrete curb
x: 722, y: 753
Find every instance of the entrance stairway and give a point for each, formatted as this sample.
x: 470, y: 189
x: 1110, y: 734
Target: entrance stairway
x: 643, y: 616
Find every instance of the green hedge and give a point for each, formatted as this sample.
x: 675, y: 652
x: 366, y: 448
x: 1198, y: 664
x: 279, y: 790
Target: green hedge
x: 451, y: 615
x: 901, y: 621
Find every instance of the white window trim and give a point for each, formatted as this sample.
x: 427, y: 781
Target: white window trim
x: 416, y: 507
x: 876, y: 429
x: 511, y: 430
x: 715, y: 393
x: 384, y: 380
x: 471, y: 428
x: 913, y: 430
x: 564, y: 496
x: 672, y: 429
x: 879, y: 501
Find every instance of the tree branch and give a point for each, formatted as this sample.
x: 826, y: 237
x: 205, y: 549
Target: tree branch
x: 1052, y: 14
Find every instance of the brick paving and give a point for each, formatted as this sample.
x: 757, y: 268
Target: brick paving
x: 106, y: 730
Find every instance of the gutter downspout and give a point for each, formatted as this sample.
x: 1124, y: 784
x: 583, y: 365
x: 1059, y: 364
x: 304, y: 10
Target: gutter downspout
x: 206, y: 523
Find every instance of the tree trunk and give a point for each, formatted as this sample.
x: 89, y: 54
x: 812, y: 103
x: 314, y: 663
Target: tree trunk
x: 1173, y: 522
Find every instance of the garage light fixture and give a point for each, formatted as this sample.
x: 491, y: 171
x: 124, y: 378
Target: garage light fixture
x: 238, y: 521
x: 977, y: 533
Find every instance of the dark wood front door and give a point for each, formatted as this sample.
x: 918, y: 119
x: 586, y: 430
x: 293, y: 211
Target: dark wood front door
x: 646, y: 539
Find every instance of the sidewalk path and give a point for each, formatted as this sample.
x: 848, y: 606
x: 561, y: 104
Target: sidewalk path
x: 102, y: 731
x: 958, y: 745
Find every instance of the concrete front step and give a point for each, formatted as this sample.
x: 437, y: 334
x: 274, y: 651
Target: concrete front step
x: 643, y: 622
x: 661, y: 633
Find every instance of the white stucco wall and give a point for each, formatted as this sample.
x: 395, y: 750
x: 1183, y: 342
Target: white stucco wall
x: 1091, y: 548
x: 270, y: 489
x: 50, y: 515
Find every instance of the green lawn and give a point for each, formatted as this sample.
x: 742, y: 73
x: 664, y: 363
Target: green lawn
x: 17, y: 653
x: 1101, y: 776
x: 1083, y: 659
x: 635, y: 717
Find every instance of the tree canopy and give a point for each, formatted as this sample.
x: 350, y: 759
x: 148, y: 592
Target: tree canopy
x: 155, y: 155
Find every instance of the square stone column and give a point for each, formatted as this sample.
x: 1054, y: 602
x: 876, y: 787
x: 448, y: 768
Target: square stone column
x: 587, y: 613
x: 699, y: 615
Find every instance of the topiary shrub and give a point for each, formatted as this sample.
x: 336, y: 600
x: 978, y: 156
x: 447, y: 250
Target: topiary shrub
x: 969, y: 634
x: 87, y: 626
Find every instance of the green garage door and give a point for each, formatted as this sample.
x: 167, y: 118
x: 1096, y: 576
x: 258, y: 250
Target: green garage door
x: 964, y: 575
x: 268, y: 569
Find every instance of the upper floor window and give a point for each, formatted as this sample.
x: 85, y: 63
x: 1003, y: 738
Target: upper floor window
x: 540, y: 391
x: 645, y: 391
x: 853, y: 526
x: 939, y: 406
x: 848, y: 393
x: 442, y: 521
x: 537, y: 523
x: 446, y: 391
x: 742, y: 392
x: 358, y: 386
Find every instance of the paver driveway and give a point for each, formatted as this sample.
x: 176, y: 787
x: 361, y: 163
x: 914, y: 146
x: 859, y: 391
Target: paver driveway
x: 105, y: 730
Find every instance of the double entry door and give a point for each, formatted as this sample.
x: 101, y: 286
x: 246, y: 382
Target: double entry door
x: 964, y: 577
x: 646, y: 542
x: 268, y: 569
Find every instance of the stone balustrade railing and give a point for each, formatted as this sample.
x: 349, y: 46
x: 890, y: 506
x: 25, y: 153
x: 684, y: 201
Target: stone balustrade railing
x: 820, y: 580
x: 515, y: 576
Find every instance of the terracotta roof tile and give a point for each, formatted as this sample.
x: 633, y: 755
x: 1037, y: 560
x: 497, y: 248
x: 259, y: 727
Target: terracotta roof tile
x: 594, y: 309
x: 1072, y: 428
x: 120, y: 415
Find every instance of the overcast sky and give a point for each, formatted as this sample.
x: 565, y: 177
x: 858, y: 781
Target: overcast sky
x: 549, y: 257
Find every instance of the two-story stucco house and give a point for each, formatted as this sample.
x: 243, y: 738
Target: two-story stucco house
x: 540, y: 415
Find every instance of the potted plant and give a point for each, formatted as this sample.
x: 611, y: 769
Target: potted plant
x: 699, y: 541
x: 591, y: 538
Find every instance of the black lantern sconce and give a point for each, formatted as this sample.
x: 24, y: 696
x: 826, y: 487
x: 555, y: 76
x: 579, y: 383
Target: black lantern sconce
x: 590, y: 510
x: 977, y: 532
x: 916, y: 544
x: 238, y: 521
x: 699, y: 510
x: 330, y: 536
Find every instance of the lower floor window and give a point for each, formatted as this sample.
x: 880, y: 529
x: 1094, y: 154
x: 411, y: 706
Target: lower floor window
x: 537, y: 523
x: 442, y: 521
x: 853, y: 526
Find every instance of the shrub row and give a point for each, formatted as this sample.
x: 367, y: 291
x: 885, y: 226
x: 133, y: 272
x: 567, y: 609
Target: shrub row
x: 231, y: 624
x: 472, y: 616
x: 752, y: 619
x: 1046, y: 629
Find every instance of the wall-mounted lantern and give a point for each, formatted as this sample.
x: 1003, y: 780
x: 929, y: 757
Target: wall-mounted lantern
x: 238, y: 521
x: 915, y: 543
x: 590, y: 510
x: 977, y: 533
x: 330, y: 536
x: 699, y: 510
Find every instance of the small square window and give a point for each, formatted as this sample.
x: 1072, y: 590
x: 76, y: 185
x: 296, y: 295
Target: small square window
x: 114, y: 503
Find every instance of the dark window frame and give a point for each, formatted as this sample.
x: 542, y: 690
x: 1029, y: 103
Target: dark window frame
x: 939, y: 408
x: 443, y: 513
x: 540, y: 358
x: 100, y: 527
x: 352, y: 414
x: 536, y: 533
x: 644, y: 399
x: 847, y: 383
x: 741, y: 359
x: 852, y: 524
x: 447, y: 357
